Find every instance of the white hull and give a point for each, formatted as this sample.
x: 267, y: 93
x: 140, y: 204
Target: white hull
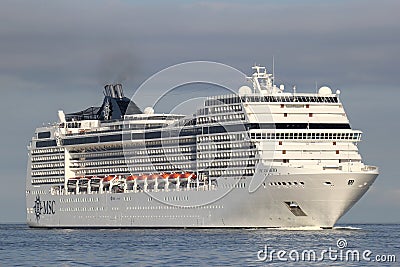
x: 323, y: 205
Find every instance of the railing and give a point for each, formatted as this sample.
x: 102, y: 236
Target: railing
x: 201, y: 187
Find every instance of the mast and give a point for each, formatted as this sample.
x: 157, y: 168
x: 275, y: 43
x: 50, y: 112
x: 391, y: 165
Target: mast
x: 263, y: 81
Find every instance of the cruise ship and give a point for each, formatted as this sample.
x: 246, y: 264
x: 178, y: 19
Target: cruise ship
x: 258, y: 158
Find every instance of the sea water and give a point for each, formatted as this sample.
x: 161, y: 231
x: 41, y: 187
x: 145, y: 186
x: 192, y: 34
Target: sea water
x: 375, y: 245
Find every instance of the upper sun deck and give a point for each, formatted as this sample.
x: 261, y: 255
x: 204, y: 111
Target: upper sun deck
x: 264, y: 90
x: 281, y: 97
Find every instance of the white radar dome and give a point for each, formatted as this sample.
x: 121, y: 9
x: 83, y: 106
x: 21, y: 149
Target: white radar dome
x: 244, y: 90
x: 324, y: 90
x: 148, y: 111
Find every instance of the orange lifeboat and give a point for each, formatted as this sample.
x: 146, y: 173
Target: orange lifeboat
x: 142, y: 177
x: 165, y: 175
x: 174, y: 176
x: 153, y: 176
x: 131, y: 178
x: 108, y: 178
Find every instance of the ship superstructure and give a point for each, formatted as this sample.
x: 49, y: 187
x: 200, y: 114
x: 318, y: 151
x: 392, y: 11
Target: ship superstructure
x: 259, y: 158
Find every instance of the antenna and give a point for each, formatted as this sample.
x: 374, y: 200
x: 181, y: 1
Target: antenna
x: 273, y: 70
x: 294, y: 93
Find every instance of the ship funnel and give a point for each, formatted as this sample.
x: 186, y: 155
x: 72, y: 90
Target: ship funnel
x: 114, y: 91
x: 113, y: 95
x: 107, y: 90
x: 118, y: 90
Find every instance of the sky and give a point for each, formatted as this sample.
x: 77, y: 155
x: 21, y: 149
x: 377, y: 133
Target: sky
x: 59, y: 55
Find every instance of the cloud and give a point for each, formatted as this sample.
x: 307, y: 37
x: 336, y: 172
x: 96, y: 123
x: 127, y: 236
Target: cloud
x: 67, y: 41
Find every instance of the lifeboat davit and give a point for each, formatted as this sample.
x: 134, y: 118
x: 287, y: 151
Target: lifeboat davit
x: 95, y: 181
x: 72, y: 182
x: 83, y: 182
x: 184, y: 177
x: 142, y: 178
x: 162, y: 179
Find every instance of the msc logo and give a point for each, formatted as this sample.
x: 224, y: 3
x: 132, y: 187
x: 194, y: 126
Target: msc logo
x: 43, y: 207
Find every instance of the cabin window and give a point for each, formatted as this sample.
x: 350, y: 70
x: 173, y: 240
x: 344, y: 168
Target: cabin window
x: 43, y: 135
